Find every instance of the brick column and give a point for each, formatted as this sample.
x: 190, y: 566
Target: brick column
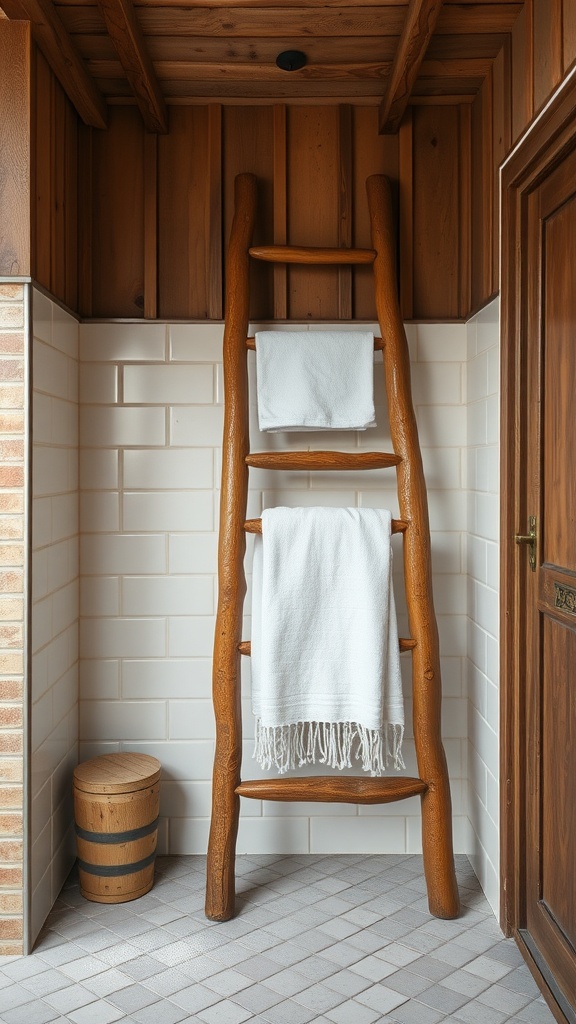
x: 12, y: 614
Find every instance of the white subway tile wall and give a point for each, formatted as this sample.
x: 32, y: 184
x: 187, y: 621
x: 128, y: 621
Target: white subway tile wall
x: 55, y: 601
x: 483, y: 598
x: 151, y: 429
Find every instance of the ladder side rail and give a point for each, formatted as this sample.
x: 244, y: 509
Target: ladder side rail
x: 220, y: 885
x: 436, y: 801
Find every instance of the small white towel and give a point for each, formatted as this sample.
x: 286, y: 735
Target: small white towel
x: 326, y: 681
x: 315, y: 380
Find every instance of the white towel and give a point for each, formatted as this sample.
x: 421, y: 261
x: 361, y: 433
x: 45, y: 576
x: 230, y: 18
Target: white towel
x: 325, y: 655
x: 315, y: 380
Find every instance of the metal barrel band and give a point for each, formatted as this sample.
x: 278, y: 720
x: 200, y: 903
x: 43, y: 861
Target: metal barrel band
x: 110, y: 838
x: 114, y: 870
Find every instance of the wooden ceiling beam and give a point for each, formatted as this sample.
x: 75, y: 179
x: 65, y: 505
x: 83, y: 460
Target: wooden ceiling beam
x: 128, y: 40
x: 62, y: 56
x: 418, y: 29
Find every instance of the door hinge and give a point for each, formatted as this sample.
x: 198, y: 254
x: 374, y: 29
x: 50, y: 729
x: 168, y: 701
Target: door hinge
x: 530, y: 539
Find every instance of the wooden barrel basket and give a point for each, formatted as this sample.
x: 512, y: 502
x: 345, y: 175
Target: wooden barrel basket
x: 116, y: 804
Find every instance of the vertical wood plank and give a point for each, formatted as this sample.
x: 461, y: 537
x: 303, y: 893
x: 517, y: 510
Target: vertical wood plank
x: 482, y: 195
x: 85, y: 218
x: 371, y: 154
x: 465, y: 201
x: 182, y: 198
x: 15, y: 76
x: 548, y: 53
x: 313, y: 207
x: 522, y: 70
x: 32, y: 155
x: 248, y: 145
x: 55, y: 180
x: 345, y: 208
x: 568, y: 33
x: 478, y: 201
x: 406, y: 175
x: 280, y: 211
x: 488, y: 186
x: 150, y: 226
x: 214, y: 212
x: 118, y: 222
x: 43, y: 170
x: 58, y: 232
x: 71, y: 226
x: 501, y: 142
x: 436, y: 220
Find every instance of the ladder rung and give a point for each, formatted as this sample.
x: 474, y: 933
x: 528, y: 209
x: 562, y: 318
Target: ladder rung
x: 310, y: 254
x: 378, y: 344
x: 327, y: 788
x: 322, y: 460
x: 255, y: 526
x: 406, y: 644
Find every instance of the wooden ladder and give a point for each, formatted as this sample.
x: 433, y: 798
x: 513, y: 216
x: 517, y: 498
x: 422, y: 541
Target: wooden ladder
x: 432, y: 785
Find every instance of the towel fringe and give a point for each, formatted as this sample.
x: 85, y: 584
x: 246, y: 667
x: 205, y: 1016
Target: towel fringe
x: 331, y: 743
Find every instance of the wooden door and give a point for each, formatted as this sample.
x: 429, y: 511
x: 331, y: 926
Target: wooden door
x: 550, y: 736
x: 539, y: 600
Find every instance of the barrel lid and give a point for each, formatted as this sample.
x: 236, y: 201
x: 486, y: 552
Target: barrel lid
x: 117, y: 773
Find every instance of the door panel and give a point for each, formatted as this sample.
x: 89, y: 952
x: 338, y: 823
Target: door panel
x: 550, y: 592
x: 558, y: 876
x: 559, y: 356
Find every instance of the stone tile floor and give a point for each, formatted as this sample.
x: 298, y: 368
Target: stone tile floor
x: 335, y: 940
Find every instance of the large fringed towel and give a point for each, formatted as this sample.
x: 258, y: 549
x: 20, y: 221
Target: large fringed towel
x: 326, y: 682
x: 315, y: 380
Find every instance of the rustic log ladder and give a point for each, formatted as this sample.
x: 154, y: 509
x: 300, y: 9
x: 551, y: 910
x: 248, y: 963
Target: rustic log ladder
x: 432, y: 784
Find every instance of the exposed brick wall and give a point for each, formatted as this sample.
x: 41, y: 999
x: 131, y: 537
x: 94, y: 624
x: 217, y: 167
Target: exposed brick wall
x: 12, y: 558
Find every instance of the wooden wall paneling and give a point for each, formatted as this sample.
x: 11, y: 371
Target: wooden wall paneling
x: 118, y: 216
x: 568, y: 33
x: 548, y: 52
x: 465, y: 204
x: 150, y: 226
x: 43, y: 169
x: 214, y: 213
x: 59, y: 212
x: 248, y: 145
x: 70, y: 295
x: 183, y: 260
x: 488, y: 196
x: 280, y: 233
x: 501, y: 144
x: 371, y: 154
x: 55, y: 185
x: 436, y: 212
x: 406, y: 211
x: 31, y: 150
x: 345, y: 211
x: 85, y: 232
x: 313, y: 207
x: 522, y: 70
x: 482, y: 196
x: 15, y: 79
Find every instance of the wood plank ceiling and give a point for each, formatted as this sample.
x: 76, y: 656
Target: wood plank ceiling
x: 154, y: 52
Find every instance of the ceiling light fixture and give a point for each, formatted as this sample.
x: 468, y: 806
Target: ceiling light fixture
x: 291, y: 60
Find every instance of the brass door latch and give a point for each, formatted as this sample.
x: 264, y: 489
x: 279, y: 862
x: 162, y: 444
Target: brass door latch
x: 530, y: 539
